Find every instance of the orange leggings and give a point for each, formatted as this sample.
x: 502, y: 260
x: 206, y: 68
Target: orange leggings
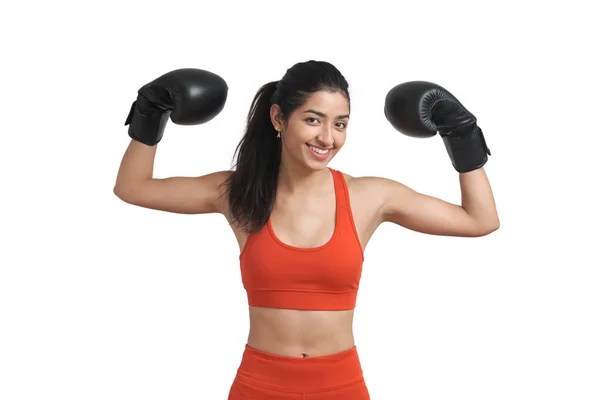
x: 266, y: 376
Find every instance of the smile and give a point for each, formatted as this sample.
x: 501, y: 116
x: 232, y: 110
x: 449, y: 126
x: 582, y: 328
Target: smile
x: 318, y: 150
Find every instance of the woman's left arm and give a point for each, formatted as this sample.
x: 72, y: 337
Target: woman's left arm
x: 423, y: 109
x: 476, y: 216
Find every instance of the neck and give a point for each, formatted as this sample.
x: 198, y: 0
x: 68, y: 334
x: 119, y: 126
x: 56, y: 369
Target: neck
x: 297, y: 179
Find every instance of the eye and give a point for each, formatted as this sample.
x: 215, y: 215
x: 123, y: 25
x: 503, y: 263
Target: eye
x: 309, y: 119
x: 343, y: 125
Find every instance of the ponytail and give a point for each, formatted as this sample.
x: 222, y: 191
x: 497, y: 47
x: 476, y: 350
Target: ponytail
x: 252, y: 186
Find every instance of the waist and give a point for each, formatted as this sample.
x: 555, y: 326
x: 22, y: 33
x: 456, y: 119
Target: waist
x: 297, y: 332
x: 302, y: 374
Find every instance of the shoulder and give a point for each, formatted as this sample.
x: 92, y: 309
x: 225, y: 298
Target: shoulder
x: 386, y: 199
x: 373, y: 190
x: 221, y: 181
x: 370, y: 184
x: 374, y: 197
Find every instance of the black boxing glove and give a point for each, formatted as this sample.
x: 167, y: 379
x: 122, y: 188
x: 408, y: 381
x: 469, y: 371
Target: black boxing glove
x: 422, y: 109
x: 188, y: 96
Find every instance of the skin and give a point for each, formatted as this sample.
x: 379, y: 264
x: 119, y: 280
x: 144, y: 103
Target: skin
x: 304, y: 217
x: 304, y: 213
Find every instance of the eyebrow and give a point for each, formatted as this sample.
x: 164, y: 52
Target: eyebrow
x: 325, y: 115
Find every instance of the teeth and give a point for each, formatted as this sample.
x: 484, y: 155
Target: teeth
x: 317, y: 150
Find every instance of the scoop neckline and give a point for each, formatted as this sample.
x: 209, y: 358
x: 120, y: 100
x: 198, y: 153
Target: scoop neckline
x: 335, y: 228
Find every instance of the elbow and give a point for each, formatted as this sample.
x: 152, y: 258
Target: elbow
x: 119, y: 192
x: 490, y: 228
x: 493, y: 228
x: 496, y: 224
x: 478, y: 228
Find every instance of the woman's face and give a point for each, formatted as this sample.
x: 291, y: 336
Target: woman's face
x: 315, y: 131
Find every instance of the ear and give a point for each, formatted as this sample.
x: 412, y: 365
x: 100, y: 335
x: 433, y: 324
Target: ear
x: 276, y: 119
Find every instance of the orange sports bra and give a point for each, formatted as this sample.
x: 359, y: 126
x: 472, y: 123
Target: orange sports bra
x: 327, y: 277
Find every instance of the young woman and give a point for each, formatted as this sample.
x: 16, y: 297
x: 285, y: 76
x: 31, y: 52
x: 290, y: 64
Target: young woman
x: 302, y: 226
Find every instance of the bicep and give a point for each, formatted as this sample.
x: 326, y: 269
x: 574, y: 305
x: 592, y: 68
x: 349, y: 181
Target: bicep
x: 423, y: 213
x: 182, y: 195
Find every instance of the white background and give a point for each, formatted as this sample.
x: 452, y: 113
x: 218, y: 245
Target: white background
x: 102, y: 300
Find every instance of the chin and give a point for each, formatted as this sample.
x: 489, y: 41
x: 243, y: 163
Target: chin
x: 317, y: 165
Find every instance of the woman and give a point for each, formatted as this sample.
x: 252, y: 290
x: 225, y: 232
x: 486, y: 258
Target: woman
x: 302, y: 227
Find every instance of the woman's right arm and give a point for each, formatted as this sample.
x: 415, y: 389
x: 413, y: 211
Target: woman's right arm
x: 184, y: 195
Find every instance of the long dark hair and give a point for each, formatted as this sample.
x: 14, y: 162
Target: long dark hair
x: 252, y: 187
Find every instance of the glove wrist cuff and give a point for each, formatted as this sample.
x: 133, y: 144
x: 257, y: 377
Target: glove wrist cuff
x: 468, y: 152
x: 147, y: 127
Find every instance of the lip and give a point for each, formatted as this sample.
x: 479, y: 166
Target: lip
x: 319, y: 147
x: 317, y: 156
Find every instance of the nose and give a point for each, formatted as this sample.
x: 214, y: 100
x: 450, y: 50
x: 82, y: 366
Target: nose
x: 325, y: 137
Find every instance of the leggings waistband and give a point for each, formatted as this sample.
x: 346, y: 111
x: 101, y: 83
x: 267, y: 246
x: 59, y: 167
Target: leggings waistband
x: 302, y: 374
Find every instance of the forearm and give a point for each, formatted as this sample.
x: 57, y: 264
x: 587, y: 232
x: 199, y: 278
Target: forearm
x: 137, y: 165
x: 478, y: 199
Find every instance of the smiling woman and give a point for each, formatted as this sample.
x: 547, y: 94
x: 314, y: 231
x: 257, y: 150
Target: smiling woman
x: 285, y: 119
x: 301, y: 226
x: 323, y: 149
x: 301, y: 259
x: 322, y: 135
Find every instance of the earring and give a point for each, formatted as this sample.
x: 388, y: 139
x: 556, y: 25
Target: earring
x: 278, y: 133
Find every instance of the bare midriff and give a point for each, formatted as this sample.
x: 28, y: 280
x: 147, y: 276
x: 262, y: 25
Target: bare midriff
x: 300, y: 333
